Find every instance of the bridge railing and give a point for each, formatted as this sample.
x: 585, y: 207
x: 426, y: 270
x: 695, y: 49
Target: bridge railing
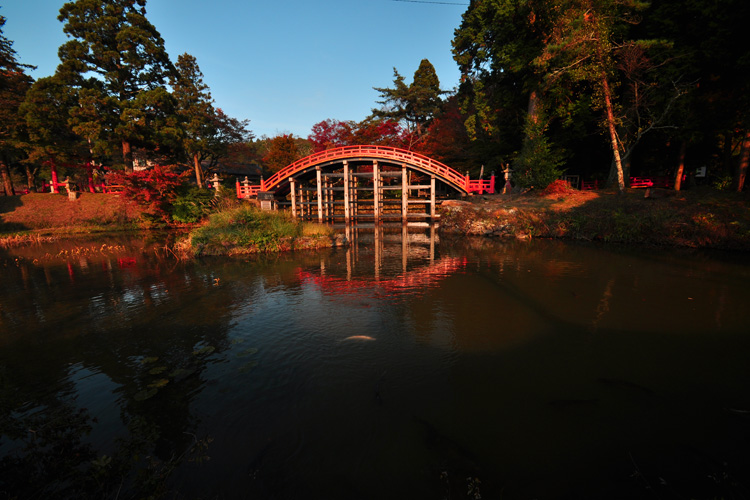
x: 385, y: 152
x: 247, y: 190
x: 481, y: 186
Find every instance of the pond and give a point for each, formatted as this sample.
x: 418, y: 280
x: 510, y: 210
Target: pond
x: 409, y: 365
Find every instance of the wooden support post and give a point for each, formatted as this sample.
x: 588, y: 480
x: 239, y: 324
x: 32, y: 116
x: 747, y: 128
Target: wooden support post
x: 308, y: 207
x: 349, y: 253
x: 404, y: 195
x: 319, y: 193
x: 355, y: 193
x: 378, y: 251
x: 404, y: 247
x: 308, y: 201
x: 327, y: 196
x: 331, y: 201
x: 347, y: 180
x: 292, y: 188
x: 432, y: 197
x: 376, y: 191
x: 432, y: 243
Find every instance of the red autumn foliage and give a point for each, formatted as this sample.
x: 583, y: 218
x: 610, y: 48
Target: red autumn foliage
x: 558, y: 187
x: 153, y: 189
x: 282, y: 151
x: 447, y: 140
x: 330, y: 134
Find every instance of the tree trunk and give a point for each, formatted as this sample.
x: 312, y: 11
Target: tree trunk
x: 90, y: 177
x: 727, y: 153
x: 7, y: 181
x: 31, y: 178
x: 533, y: 110
x: 198, y: 171
x: 127, y: 155
x: 680, y: 167
x: 743, y: 164
x: 613, y: 133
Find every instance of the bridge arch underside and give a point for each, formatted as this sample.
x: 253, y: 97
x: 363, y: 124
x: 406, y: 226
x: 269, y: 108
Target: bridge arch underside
x: 364, y: 189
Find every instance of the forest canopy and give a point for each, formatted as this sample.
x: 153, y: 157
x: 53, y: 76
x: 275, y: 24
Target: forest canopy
x: 602, y: 89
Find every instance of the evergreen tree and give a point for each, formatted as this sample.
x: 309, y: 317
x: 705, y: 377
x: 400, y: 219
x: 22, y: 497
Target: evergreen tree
x: 502, y: 91
x: 14, y: 83
x: 48, y: 138
x: 415, y: 104
x: 543, y: 68
x: 709, y: 51
x: 207, y: 133
x: 195, y: 109
x: 117, y: 60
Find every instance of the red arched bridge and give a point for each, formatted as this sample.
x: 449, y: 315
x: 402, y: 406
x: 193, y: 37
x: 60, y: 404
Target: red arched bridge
x: 361, y: 182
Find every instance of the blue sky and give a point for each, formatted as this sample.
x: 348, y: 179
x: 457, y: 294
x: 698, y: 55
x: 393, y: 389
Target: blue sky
x: 284, y: 65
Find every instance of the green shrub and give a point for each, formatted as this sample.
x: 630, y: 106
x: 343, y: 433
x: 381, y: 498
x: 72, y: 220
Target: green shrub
x: 246, y: 229
x: 191, y: 204
x: 539, y: 162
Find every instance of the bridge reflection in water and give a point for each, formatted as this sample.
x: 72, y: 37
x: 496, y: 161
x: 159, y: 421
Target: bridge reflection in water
x: 375, y: 258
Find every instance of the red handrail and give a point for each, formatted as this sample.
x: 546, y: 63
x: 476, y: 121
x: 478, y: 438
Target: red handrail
x: 447, y: 174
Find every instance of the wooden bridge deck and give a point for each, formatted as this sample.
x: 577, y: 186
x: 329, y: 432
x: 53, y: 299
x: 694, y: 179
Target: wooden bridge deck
x: 363, y: 182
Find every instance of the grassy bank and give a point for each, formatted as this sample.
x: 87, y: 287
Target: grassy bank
x: 695, y: 218
x: 38, y: 216
x: 247, y: 229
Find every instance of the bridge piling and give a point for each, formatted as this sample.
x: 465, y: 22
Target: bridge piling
x: 404, y: 195
x: 376, y: 186
x: 347, y: 194
x: 293, y: 193
x: 319, y: 189
x: 361, y: 183
x: 432, y: 197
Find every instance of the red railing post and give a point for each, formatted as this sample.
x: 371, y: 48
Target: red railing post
x: 54, y: 180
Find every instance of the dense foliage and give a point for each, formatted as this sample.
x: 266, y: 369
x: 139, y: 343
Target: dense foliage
x: 581, y: 83
x: 115, y: 102
x: 154, y: 189
x: 13, y: 85
x: 247, y: 229
x: 605, y: 89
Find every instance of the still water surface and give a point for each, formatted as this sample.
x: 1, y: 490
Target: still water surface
x: 405, y: 366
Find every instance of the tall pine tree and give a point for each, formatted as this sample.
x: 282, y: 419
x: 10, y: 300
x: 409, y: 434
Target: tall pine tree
x: 415, y: 104
x: 206, y: 132
x: 117, y: 61
x: 14, y: 83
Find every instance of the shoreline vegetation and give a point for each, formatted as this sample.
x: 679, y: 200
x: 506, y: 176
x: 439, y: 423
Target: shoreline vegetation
x: 696, y: 218
x: 236, y: 229
x: 247, y: 230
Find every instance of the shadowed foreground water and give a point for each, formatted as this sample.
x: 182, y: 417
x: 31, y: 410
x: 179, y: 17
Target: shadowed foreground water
x: 403, y: 367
